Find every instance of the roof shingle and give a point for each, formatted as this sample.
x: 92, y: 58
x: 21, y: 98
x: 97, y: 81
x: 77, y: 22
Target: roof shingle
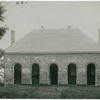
x: 55, y: 41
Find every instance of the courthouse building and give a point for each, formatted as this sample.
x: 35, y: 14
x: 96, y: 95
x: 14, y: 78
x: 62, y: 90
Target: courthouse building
x: 53, y: 57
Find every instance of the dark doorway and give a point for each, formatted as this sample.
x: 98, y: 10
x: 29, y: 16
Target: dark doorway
x: 17, y: 74
x: 54, y: 74
x: 91, y: 74
x: 72, y: 74
x: 35, y: 74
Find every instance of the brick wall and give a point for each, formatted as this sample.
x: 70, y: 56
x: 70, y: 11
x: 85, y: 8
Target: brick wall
x: 44, y: 61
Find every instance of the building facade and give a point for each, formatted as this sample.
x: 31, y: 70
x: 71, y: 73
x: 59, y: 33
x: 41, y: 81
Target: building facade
x: 53, y: 61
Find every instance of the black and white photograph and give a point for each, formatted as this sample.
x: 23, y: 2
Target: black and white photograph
x: 50, y: 49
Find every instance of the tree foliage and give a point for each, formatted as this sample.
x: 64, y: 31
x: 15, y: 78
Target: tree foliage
x: 2, y: 28
x: 2, y: 32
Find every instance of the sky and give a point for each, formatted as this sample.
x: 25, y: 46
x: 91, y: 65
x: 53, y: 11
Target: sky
x: 24, y: 18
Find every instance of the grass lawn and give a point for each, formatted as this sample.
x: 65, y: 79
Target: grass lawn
x: 49, y: 92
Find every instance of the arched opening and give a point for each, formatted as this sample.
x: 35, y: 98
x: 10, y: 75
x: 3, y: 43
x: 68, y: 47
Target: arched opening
x: 72, y: 74
x: 35, y: 74
x: 54, y: 74
x: 91, y: 74
x: 17, y: 74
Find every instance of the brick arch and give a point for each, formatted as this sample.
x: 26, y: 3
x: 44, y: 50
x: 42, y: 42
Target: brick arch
x: 17, y: 73
x: 35, y: 73
x: 54, y: 74
x: 91, y: 69
x: 72, y: 74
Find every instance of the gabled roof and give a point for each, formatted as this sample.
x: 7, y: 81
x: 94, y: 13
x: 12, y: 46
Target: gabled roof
x: 54, y: 41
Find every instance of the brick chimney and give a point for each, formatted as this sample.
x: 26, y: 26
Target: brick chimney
x: 12, y: 36
x: 42, y: 28
x: 68, y: 27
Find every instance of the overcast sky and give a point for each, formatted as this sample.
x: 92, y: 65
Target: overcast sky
x: 26, y: 17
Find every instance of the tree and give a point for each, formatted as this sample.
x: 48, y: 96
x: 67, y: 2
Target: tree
x: 2, y: 28
x: 2, y: 32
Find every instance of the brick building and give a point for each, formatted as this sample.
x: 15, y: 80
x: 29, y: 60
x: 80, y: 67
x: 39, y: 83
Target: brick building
x: 53, y: 57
